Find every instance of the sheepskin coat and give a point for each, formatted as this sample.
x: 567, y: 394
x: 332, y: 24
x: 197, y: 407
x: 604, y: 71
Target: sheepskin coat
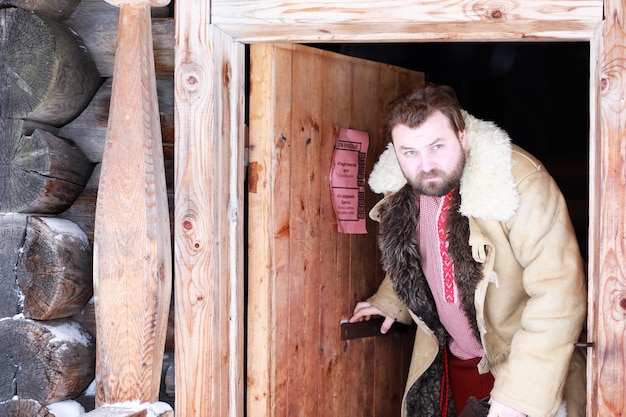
x: 518, y: 271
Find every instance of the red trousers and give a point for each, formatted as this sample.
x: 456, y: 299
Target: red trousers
x: 465, y: 381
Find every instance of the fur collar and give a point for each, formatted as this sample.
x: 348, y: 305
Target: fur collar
x: 487, y: 186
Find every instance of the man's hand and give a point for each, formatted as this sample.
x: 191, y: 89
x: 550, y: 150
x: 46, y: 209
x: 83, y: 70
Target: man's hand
x: 364, y: 310
x: 500, y: 410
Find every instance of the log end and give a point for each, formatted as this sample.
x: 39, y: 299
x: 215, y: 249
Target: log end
x: 21, y: 407
x: 46, y: 361
x: 56, y: 9
x: 55, y: 271
x: 41, y: 173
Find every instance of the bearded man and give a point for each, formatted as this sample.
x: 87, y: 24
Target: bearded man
x: 479, y: 251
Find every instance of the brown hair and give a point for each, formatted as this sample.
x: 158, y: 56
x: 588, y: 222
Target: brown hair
x: 413, y: 108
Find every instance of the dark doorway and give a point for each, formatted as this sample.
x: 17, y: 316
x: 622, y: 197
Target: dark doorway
x: 537, y: 91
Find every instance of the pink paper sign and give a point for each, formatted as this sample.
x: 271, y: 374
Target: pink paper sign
x: 347, y: 180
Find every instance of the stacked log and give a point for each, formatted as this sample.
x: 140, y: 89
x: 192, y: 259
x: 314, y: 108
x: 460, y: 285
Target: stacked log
x: 48, y: 75
x: 40, y: 173
x: 54, y: 105
x: 45, y: 278
x: 47, y: 78
x: 45, y: 266
x: 45, y: 361
x: 17, y: 407
x: 57, y: 9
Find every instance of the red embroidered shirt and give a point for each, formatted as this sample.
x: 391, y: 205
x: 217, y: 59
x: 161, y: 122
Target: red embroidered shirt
x: 439, y: 271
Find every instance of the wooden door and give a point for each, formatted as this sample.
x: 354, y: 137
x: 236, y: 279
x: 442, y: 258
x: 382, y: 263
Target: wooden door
x: 303, y: 276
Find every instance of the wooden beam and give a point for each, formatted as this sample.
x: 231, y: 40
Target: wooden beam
x: 209, y: 164
x: 607, y: 300
x: 399, y: 20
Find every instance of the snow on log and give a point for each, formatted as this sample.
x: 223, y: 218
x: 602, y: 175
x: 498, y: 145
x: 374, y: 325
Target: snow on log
x: 45, y: 266
x: 19, y: 407
x: 47, y: 361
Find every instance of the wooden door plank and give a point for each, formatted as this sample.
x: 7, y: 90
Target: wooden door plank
x: 260, y: 234
x: 365, y: 116
x: 269, y: 227
x: 304, y: 315
x: 388, y: 399
x: 332, y: 370
x: 280, y: 179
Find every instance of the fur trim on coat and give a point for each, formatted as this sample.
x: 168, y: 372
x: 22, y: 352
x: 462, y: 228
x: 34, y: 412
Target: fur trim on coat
x: 487, y: 186
x: 398, y: 242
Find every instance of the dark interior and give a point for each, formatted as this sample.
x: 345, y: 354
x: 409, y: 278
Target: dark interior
x: 537, y: 91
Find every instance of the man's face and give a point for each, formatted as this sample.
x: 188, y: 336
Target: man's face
x: 431, y: 155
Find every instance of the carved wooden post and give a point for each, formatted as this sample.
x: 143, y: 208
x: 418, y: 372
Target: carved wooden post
x: 132, y: 243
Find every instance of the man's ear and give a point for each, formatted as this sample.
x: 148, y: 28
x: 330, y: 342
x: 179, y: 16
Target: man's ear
x: 462, y: 139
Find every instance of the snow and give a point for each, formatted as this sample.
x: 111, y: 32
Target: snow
x: 158, y: 408
x: 71, y: 408
x: 65, y: 229
x: 91, y: 389
x: 67, y: 408
x: 68, y: 332
x: 154, y: 409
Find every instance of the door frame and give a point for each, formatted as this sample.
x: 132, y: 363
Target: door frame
x: 210, y: 155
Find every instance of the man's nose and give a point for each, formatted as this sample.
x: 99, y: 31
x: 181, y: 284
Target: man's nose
x: 427, y: 163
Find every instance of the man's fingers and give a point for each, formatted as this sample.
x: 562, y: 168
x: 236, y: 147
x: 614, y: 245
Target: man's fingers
x: 363, y: 311
x: 384, y: 328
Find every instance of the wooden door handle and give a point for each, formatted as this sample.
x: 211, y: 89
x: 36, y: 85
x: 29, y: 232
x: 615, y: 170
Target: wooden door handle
x: 369, y: 328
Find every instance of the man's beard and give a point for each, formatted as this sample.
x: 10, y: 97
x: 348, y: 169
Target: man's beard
x: 445, y: 183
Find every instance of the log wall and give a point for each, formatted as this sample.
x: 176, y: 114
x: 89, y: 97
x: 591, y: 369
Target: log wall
x: 51, y: 165
x: 46, y: 277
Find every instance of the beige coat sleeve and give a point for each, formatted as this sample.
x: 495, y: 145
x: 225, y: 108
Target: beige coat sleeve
x: 388, y: 302
x: 544, y: 246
